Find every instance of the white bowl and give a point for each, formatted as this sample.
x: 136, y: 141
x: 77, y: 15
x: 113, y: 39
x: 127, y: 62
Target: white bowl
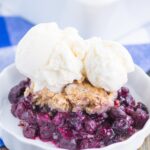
x: 139, y: 84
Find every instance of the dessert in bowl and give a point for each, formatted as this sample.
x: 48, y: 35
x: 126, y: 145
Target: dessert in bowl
x: 74, y: 95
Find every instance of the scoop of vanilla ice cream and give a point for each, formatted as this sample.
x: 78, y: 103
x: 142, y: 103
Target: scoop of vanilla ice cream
x: 46, y: 54
x: 107, y: 64
x: 75, y: 42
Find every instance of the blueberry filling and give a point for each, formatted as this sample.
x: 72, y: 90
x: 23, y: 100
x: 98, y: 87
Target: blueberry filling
x: 78, y: 130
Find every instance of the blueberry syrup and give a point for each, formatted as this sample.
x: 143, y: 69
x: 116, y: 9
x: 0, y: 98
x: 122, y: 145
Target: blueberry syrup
x: 78, y: 130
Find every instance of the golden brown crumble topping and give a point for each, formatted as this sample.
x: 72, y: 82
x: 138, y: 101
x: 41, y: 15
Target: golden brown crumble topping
x: 75, y: 96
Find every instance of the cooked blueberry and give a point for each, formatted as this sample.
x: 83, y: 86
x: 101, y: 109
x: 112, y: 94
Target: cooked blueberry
x: 66, y: 133
x: 29, y: 116
x: 129, y: 101
x: 20, y: 109
x: 129, y: 110
x: 124, y: 91
x: 45, y: 133
x: 105, y: 134
x: 130, y: 120
x: 131, y: 131
x: 122, y: 99
x: 140, y: 118
x: 43, y: 119
x: 30, y: 131
x: 116, y: 113
x: 142, y: 106
x: 76, y: 123
x: 15, y: 94
x: 90, y: 126
x: 17, y: 91
x: 59, y: 119
x: 121, y: 126
x: 84, y: 144
x: 81, y: 115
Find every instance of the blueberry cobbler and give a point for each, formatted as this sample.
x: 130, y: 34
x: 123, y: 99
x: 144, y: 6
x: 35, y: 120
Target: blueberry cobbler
x: 74, y: 95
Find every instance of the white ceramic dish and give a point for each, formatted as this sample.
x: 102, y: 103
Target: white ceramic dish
x: 139, y: 84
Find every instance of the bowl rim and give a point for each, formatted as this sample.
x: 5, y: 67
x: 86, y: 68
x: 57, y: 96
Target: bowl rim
x: 145, y: 131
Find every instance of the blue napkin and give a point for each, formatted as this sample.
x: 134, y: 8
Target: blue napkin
x: 13, y: 28
x: 1, y: 143
x: 141, y: 55
x: 4, y: 36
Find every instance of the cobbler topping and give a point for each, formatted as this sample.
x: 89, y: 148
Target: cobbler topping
x: 87, y: 97
x: 80, y: 129
x: 74, y: 97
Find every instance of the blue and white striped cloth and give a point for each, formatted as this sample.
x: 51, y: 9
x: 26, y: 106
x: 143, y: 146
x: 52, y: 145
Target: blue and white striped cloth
x: 11, y: 31
x: 13, y: 28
